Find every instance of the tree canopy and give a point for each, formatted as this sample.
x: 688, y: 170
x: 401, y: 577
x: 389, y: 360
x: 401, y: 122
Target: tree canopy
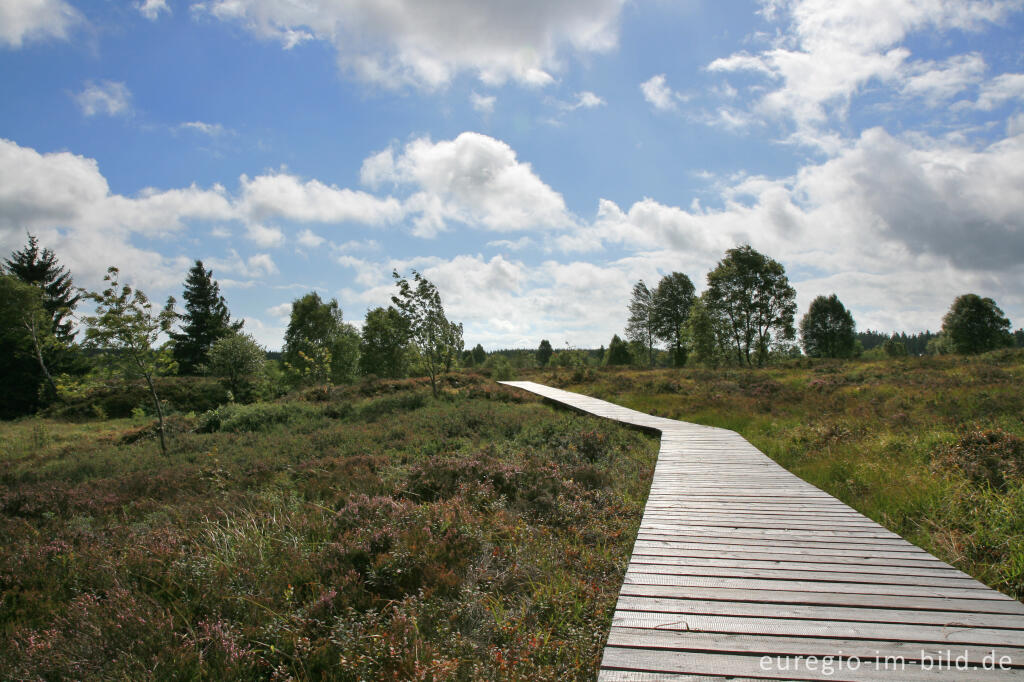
x: 205, y: 320
x: 26, y: 340
x: 383, y: 350
x: 975, y: 325
x: 828, y: 330
x: 640, y: 328
x: 236, y: 358
x: 618, y: 352
x: 42, y: 269
x: 126, y: 328
x: 750, y: 295
x: 544, y: 352
x: 437, y: 339
x: 318, y: 345
x: 479, y: 354
x: 671, y: 302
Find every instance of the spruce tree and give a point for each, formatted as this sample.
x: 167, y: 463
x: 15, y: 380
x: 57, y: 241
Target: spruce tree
x: 206, y: 319
x: 43, y: 270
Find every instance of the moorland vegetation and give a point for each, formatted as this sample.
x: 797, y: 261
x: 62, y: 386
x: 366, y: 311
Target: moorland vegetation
x: 175, y: 501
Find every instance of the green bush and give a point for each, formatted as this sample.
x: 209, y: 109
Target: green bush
x: 116, y: 399
x: 391, y: 405
x: 257, y: 417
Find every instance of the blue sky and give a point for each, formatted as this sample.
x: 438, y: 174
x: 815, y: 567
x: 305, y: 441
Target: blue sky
x: 533, y: 159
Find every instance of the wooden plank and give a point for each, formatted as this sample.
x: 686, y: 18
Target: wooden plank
x: 795, y: 574
x: 732, y: 666
x: 685, y: 581
x: 641, y: 561
x: 749, y: 625
x: 857, y: 612
x: 762, y: 596
x: 864, y: 649
x: 662, y: 545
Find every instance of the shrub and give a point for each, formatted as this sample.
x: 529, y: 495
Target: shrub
x: 992, y: 457
x: 391, y: 405
x: 117, y: 399
x: 258, y: 417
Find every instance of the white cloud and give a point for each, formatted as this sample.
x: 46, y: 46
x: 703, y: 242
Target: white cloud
x: 482, y: 103
x: 284, y: 196
x: 65, y: 198
x: 261, y: 264
x: 105, y: 97
x: 263, y: 235
x: 254, y: 267
x: 310, y: 239
x: 898, y: 227
x: 584, y: 100
x: 426, y: 43
x: 939, y: 83
x: 27, y: 21
x: 831, y: 49
x: 151, y: 9
x: 282, y: 311
x: 1015, y: 125
x: 267, y: 335
x: 588, y: 100
x: 211, y: 129
x: 512, y: 245
x: 1001, y: 89
x: 658, y: 94
x: 474, y: 179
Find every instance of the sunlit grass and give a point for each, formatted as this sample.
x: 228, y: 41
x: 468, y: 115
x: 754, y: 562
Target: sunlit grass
x: 870, y: 433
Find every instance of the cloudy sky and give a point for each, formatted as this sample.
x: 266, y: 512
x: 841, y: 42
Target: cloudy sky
x: 533, y: 159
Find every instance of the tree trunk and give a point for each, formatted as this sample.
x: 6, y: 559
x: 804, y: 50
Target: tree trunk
x: 39, y: 355
x: 159, y: 413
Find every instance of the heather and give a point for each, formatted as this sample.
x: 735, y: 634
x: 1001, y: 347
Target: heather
x: 357, y: 533
x: 930, y: 447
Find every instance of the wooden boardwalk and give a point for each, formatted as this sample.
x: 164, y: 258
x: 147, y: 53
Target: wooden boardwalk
x: 741, y: 570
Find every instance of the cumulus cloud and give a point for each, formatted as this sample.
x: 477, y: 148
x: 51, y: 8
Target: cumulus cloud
x: 286, y: 197
x: 474, y: 179
x: 937, y: 83
x: 106, y: 97
x: 310, y: 239
x: 482, y: 103
x: 65, y: 196
x: 912, y: 215
x: 999, y: 90
x: 151, y: 9
x: 27, y: 21
x: 658, y: 94
x: 831, y: 49
x: 426, y: 43
x: 282, y: 311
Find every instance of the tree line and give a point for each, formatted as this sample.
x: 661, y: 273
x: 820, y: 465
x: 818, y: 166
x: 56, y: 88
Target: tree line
x: 746, y: 316
x: 40, y: 355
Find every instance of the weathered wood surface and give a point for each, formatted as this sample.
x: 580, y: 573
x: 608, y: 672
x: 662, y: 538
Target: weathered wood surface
x: 741, y: 570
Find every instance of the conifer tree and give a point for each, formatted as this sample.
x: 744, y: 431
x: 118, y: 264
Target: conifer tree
x: 43, y: 270
x: 206, y: 319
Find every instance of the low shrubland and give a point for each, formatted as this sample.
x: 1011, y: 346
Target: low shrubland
x: 367, y: 532
x: 930, y: 447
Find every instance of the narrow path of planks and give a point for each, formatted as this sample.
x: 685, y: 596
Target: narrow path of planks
x: 741, y: 570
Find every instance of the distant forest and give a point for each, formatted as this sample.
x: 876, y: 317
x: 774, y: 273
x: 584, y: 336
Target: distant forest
x: 916, y: 344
